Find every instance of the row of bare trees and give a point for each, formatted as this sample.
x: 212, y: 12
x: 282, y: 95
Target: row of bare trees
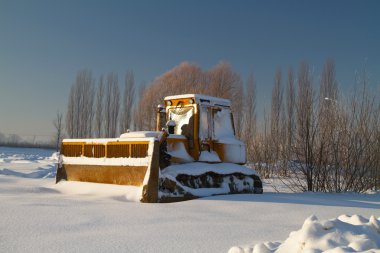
x: 107, y: 112
x: 320, y: 140
x: 26, y: 141
x: 97, y: 110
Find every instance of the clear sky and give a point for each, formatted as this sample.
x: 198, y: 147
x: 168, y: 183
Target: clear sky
x: 43, y: 44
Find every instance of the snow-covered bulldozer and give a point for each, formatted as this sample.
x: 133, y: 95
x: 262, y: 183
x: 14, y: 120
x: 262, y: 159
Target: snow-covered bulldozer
x: 193, y: 153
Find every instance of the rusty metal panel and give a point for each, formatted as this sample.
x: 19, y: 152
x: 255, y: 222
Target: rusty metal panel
x: 72, y: 149
x: 139, y: 150
x: 94, y: 150
x: 116, y: 150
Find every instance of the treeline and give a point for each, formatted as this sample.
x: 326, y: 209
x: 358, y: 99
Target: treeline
x: 96, y: 108
x: 15, y: 140
x: 317, y: 139
x: 313, y: 137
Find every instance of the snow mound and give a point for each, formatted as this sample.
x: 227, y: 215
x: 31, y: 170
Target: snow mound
x: 344, y: 234
x: 54, y: 156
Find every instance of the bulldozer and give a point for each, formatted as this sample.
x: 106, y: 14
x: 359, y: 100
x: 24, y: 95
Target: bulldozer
x: 193, y: 153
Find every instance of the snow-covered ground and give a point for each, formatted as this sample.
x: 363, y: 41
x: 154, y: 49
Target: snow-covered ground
x: 39, y: 216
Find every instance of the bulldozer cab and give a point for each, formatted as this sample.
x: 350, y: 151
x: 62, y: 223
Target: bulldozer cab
x: 206, y: 123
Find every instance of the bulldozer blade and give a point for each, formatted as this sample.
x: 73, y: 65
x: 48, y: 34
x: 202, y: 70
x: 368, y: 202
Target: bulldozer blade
x: 106, y: 174
x: 144, y: 175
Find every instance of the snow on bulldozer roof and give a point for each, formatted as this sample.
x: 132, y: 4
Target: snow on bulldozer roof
x: 140, y: 134
x: 202, y: 99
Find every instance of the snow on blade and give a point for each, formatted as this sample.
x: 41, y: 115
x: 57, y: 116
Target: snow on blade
x: 137, y: 136
x: 123, y: 161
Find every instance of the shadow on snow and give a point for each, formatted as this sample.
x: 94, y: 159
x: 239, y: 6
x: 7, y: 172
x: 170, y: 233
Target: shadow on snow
x: 309, y: 198
x: 49, y: 172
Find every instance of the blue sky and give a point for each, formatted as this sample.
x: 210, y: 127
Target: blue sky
x: 43, y: 44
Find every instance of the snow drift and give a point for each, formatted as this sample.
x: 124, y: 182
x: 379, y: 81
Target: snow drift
x: 343, y: 234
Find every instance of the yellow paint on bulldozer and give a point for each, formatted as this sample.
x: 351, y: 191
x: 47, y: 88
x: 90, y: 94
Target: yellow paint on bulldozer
x: 142, y: 173
x: 106, y: 174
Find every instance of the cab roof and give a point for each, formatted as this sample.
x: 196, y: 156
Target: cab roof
x: 201, y: 99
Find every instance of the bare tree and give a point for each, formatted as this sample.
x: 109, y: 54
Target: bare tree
x: 220, y: 81
x: 264, y: 152
x: 290, y: 121
x: 290, y: 109
x: 138, y: 119
x: 58, y: 125
x: 112, y: 105
x: 128, y: 101
x: 360, y: 157
x: 80, y: 106
x: 14, y: 140
x: 182, y: 79
x: 328, y: 131
x: 3, y: 139
x: 71, y: 126
x: 306, y: 126
x: 275, y: 119
x: 249, y: 123
x: 99, y: 112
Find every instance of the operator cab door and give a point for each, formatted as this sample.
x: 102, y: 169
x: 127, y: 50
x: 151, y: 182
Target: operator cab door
x: 215, y: 123
x: 205, y: 124
x: 183, y: 116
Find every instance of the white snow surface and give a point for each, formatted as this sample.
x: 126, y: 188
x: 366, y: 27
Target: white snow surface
x: 39, y: 216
